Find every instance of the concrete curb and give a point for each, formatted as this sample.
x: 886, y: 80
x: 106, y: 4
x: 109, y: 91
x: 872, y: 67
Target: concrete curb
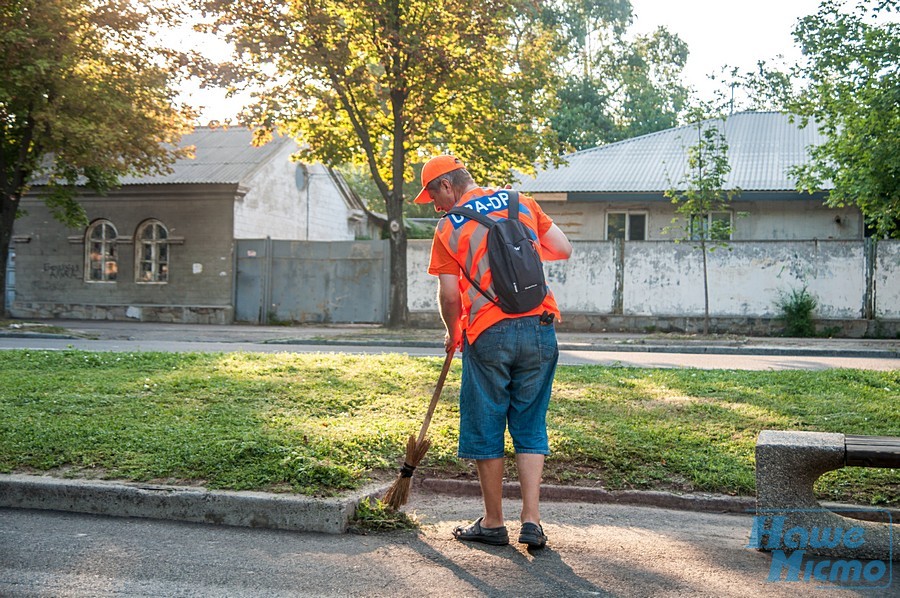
x: 730, y: 350
x: 180, y: 503
x: 714, y: 503
x: 292, y: 512
x: 9, y: 334
x: 308, y: 514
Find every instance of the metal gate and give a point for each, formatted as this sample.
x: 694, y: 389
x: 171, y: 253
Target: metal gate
x: 10, y: 278
x: 311, y: 281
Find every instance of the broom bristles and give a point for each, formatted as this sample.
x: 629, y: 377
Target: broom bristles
x: 398, y: 494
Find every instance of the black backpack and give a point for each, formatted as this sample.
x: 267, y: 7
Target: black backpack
x: 518, y: 277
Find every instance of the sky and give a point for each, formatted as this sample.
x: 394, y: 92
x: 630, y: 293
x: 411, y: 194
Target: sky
x: 736, y: 33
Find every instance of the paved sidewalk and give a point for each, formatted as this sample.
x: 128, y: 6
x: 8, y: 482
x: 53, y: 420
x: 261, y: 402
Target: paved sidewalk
x: 593, y: 550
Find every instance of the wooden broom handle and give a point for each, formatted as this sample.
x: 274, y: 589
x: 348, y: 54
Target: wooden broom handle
x: 436, y: 395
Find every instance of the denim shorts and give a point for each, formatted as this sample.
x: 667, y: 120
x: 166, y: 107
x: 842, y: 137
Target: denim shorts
x: 507, y: 377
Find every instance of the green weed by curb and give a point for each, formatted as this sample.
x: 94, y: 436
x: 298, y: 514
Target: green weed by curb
x: 372, y: 515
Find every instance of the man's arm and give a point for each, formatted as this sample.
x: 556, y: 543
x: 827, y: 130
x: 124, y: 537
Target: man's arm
x: 555, y: 245
x: 450, y: 303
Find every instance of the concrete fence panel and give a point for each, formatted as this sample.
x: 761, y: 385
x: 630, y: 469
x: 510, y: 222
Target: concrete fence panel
x: 887, y: 280
x: 746, y: 278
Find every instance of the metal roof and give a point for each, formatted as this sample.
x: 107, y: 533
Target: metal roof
x: 762, y: 146
x: 222, y: 156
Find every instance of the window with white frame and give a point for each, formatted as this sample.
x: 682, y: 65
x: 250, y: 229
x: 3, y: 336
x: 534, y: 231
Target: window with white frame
x: 101, y: 260
x: 715, y: 226
x: 152, y: 253
x: 631, y: 226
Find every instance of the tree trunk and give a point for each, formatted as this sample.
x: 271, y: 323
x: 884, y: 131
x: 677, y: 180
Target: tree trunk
x: 4, y: 256
x: 399, y: 312
x: 398, y: 316
x: 705, y: 290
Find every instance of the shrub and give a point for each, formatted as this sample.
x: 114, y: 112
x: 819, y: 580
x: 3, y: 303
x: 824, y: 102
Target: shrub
x: 796, y: 311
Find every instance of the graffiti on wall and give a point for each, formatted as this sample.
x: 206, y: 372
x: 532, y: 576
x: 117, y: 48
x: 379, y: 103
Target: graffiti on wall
x: 59, y: 271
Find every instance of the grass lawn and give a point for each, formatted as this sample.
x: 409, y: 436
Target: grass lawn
x: 322, y: 423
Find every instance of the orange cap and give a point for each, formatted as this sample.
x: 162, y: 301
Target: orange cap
x: 433, y: 169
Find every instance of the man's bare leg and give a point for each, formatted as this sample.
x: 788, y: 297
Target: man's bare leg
x: 531, y: 467
x: 490, y: 476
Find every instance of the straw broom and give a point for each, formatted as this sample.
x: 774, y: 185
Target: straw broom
x: 398, y: 493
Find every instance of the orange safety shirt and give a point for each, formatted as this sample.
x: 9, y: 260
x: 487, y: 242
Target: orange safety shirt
x: 459, y: 240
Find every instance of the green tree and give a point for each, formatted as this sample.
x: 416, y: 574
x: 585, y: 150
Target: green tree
x: 848, y: 85
x: 852, y: 93
x: 592, y: 31
x: 84, y: 98
x: 614, y: 88
x: 700, y: 196
x: 388, y: 83
x: 654, y: 97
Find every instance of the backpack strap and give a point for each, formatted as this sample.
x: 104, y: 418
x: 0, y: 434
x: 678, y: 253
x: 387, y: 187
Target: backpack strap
x: 484, y: 293
x: 513, y: 205
x: 467, y: 212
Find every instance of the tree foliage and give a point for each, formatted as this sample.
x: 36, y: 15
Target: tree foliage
x: 848, y: 85
x: 615, y: 88
x: 853, y: 94
x: 388, y: 83
x: 85, y: 97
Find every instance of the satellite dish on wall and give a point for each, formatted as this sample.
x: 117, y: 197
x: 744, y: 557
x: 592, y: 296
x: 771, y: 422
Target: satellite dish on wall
x: 301, y: 176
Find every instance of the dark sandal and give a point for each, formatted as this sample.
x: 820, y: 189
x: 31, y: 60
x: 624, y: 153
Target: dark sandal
x: 495, y: 536
x: 533, y: 535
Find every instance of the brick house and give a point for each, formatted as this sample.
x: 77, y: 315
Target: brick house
x: 161, y: 248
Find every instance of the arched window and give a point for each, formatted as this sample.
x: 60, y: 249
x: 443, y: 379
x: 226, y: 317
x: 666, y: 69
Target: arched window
x: 101, y: 258
x: 152, y: 252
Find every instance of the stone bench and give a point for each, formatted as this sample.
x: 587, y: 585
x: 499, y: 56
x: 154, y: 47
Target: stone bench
x: 787, y: 466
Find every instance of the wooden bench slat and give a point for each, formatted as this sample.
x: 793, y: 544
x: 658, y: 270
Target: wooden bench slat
x: 872, y: 440
x: 872, y: 451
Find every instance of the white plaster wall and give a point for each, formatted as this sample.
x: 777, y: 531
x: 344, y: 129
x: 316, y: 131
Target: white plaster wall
x: 585, y: 282
x: 662, y: 282
x: 666, y: 279
x: 329, y: 216
x: 887, y: 280
x: 421, y: 287
x: 274, y: 206
x: 745, y: 279
x: 751, y: 278
x: 798, y: 219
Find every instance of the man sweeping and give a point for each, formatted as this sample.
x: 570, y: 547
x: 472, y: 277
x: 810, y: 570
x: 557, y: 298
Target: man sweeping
x: 509, y: 356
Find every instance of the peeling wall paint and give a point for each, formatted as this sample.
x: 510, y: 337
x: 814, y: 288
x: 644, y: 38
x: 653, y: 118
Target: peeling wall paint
x: 887, y: 280
x: 746, y: 278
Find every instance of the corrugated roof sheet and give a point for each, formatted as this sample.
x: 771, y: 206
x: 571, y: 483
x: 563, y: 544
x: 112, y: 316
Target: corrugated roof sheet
x: 762, y: 146
x: 222, y: 156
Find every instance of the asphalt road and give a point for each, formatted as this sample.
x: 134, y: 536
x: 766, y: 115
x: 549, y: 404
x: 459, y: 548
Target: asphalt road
x: 630, y: 358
